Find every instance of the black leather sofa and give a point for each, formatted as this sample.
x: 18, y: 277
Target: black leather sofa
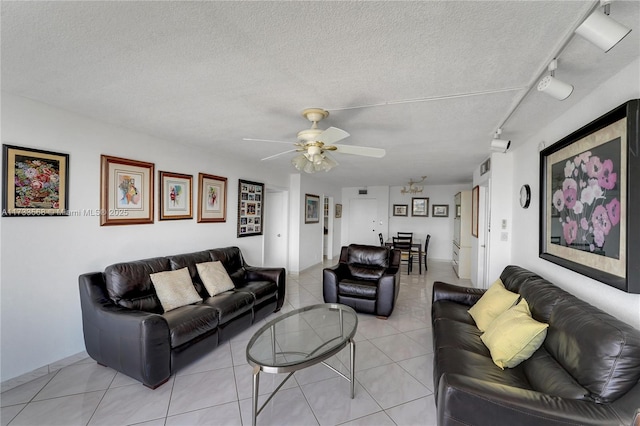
x: 587, y: 371
x: 125, y: 327
x: 366, y: 278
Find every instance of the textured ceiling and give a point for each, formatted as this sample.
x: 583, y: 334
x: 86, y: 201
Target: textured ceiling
x: 213, y: 73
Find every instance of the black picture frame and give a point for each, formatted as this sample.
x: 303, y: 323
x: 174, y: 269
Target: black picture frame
x: 440, y: 210
x: 250, y: 208
x: 35, y: 182
x: 400, y: 209
x: 601, y: 239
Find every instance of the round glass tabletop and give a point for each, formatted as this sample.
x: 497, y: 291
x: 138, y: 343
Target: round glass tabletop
x: 302, y: 337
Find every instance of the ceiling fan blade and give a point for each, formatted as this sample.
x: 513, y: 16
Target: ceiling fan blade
x: 277, y: 155
x: 265, y: 140
x: 361, y: 150
x: 331, y: 135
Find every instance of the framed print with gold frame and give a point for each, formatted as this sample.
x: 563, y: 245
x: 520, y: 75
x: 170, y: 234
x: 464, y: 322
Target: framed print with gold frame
x: 175, y: 196
x: 212, y: 198
x: 126, y: 188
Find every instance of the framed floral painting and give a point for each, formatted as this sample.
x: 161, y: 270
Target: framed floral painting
x: 589, y: 190
x: 419, y: 207
x: 36, y: 182
x: 175, y: 196
x: 212, y: 198
x: 126, y: 191
x: 250, y: 211
x: 311, y: 208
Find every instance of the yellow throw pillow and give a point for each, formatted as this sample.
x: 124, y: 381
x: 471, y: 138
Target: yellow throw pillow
x: 175, y: 289
x: 514, y: 336
x: 493, y: 302
x: 214, y: 277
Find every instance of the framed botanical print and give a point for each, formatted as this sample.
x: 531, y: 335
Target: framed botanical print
x: 175, y: 196
x: 35, y: 182
x: 212, y: 198
x: 126, y: 188
x: 589, y: 195
x: 419, y: 207
x: 311, y: 208
x: 250, y: 208
x: 338, y: 211
x: 440, y: 210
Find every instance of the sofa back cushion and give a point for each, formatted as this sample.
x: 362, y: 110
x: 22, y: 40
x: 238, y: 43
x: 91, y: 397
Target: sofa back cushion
x: 231, y: 258
x: 367, y: 262
x: 189, y: 261
x: 601, y: 352
x: 129, y: 284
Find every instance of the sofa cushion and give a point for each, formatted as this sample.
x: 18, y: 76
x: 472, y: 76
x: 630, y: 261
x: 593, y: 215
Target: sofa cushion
x: 129, y: 283
x: 260, y: 290
x: 214, y: 277
x: 514, y: 336
x: 366, y: 272
x: 175, y: 289
x: 358, y: 288
x: 188, y: 322
x: 455, y: 334
x: 493, y: 302
x: 368, y: 256
x: 446, y: 309
x: 547, y: 376
x: 231, y: 258
x: 190, y: 260
x: 230, y: 304
x: 601, y: 352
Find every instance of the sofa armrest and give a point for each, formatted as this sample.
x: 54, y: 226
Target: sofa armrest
x: 277, y: 275
x: 133, y: 342
x: 464, y: 400
x: 331, y: 276
x: 388, y: 288
x: 455, y: 293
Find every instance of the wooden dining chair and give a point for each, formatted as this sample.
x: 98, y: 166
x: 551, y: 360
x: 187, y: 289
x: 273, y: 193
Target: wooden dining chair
x: 405, y: 234
x: 381, y: 239
x: 406, y: 255
x: 424, y: 254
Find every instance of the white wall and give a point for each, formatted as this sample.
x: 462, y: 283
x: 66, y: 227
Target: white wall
x: 41, y: 258
x: 617, y: 90
x: 440, y: 228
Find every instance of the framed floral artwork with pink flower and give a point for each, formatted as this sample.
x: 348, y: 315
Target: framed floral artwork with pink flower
x: 126, y: 191
x: 590, y: 192
x: 36, y: 182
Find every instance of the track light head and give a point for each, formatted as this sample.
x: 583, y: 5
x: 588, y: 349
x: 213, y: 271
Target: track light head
x: 499, y: 145
x: 602, y: 30
x: 552, y: 86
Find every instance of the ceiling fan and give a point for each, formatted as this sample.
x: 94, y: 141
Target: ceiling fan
x: 314, y: 143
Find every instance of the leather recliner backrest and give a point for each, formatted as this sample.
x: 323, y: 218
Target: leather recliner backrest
x: 129, y: 284
x: 190, y: 260
x: 367, y: 262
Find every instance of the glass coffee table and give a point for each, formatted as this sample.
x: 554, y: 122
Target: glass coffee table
x: 300, y: 339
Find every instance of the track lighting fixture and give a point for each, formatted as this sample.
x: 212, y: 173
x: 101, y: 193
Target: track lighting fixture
x: 554, y: 87
x: 499, y: 145
x: 600, y: 29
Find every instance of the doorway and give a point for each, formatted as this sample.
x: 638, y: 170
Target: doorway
x: 276, y: 235
x: 363, y: 213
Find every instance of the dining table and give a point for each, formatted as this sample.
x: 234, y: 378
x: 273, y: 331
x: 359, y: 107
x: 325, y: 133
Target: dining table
x: 415, y: 243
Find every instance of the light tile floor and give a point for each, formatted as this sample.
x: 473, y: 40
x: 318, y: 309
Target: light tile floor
x: 394, y: 386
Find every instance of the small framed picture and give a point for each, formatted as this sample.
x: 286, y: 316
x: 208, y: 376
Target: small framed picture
x: 126, y: 191
x: 175, y: 196
x: 35, y: 183
x: 420, y: 207
x: 440, y: 210
x: 400, y: 210
x: 212, y: 198
x: 311, y: 208
x: 338, y: 211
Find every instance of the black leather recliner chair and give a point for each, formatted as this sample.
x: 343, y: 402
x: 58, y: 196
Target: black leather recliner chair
x: 367, y: 278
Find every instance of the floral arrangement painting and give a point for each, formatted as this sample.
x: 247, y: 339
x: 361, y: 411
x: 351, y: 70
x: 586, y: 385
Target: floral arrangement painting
x: 37, y: 183
x: 586, y: 200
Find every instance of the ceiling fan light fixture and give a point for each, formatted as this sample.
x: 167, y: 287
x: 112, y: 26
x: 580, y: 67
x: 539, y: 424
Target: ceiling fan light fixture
x: 602, y: 30
x: 299, y: 161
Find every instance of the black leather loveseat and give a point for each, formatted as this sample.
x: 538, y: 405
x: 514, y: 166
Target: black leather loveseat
x: 126, y: 328
x: 586, y: 372
x: 367, y: 278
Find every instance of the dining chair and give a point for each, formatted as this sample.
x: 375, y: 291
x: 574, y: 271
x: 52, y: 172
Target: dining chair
x: 424, y: 254
x: 406, y: 255
x: 381, y: 239
x: 405, y: 234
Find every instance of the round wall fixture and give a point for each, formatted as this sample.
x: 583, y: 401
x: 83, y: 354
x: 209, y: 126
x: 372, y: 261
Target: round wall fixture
x: 525, y: 196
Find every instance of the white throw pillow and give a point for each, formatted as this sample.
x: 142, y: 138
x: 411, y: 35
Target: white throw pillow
x: 214, y: 277
x: 175, y: 289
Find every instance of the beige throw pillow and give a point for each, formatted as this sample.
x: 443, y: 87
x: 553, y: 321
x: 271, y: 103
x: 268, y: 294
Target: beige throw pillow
x: 175, y: 289
x: 214, y: 277
x: 514, y: 336
x: 493, y: 302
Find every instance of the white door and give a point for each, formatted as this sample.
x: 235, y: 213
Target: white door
x: 362, y: 221
x: 275, y: 228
